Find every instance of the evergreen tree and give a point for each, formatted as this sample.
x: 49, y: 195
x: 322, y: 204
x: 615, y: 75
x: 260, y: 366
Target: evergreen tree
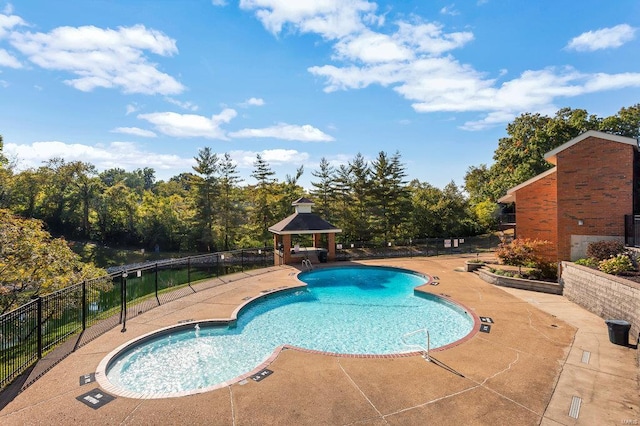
x: 207, y: 190
x: 262, y: 214
x: 230, y: 206
x: 325, y: 189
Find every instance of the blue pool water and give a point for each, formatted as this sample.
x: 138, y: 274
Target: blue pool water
x: 348, y: 310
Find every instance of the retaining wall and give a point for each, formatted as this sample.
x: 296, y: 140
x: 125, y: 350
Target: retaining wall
x: 541, y: 286
x: 608, y: 296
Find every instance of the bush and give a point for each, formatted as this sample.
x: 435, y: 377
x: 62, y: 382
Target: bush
x: 616, y: 265
x: 589, y: 261
x: 522, y: 252
x: 603, y: 250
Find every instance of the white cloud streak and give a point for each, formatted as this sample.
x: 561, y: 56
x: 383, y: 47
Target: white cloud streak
x: 135, y: 131
x: 125, y: 155
x: 190, y: 125
x: 275, y: 157
x: 184, y: 105
x: 304, y: 133
x: 604, y: 38
x: 253, y: 102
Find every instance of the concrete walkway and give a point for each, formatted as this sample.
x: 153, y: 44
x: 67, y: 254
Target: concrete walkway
x: 527, y: 370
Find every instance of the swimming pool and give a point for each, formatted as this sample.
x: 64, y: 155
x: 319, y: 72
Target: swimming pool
x: 345, y: 310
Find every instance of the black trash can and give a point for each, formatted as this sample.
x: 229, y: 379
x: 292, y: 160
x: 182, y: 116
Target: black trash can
x: 322, y: 256
x: 618, y: 331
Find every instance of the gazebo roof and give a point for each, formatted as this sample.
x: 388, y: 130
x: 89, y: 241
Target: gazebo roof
x: 303, y: 223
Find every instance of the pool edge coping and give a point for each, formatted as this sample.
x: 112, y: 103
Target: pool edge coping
x: 104, y: 382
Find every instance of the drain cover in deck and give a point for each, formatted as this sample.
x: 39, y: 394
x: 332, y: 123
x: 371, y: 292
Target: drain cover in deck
x: 262, y: 375
x: 95, y: 398
x: 486, y: 319
x: 87, y: 378
x: 485, y: 328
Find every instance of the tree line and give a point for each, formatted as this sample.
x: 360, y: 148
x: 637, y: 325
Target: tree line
x: 212, y: 208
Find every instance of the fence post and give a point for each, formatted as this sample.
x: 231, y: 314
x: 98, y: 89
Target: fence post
x: 124, y: 301
x: 84, y: 305
x: 156, y: 284
x: 39, y: 304
x: 189, y: 270
x: 242, y: 260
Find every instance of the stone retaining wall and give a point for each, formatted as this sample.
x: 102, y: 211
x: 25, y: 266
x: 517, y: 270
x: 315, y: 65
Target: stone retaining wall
x: 605, y: 295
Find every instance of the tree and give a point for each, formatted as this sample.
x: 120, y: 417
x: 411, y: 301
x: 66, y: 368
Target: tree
x: 360, y: 183
x: 388, y: 195
x: 325, y: 191
x: 262, y: 213
x: 5, y: 178
x: 207, y: 190
x: 86, y: 185
x: 32, y: 263
x: 230, y: 206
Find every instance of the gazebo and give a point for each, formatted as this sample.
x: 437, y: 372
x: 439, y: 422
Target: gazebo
x: 303, y: 222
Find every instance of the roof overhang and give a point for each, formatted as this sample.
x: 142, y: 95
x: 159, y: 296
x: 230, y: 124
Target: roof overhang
x: 511, y: 192
x: 551, y: 155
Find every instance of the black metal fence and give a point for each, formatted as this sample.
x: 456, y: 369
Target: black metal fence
x: 415, y: 247
x: 60, y: 322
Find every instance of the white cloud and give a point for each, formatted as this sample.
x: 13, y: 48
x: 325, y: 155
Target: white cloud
x: 274, y: 157
x: 131, y: 108
x: 252, y: 102
x: 184, y: 105
x: 330, y: 18
x: 136, y: 131
x: 372, y: 47
x: 104, y: 58
x: 190, y: 125
x: 449, y: 10
x: 7, y: 60
x: 304, y: 133
x: 429, y: 37
x: 219, y: 2
x: 8, y: 21
x: 124, y: 155
x: 604, y: 38
x: 416, y: 62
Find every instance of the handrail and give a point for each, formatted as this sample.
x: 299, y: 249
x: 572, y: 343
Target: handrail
x: 306, y: 263
x: 424, y: 349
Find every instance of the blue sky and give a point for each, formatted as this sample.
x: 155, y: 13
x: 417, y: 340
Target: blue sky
x: 147, y: 83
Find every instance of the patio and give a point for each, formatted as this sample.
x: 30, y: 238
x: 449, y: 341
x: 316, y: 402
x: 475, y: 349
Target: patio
x: 528, y: 369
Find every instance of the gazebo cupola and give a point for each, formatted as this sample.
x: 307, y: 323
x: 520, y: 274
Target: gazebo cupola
x: 303, y: 205
x: 302, y: 222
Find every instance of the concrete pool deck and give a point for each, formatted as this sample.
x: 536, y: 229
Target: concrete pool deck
x: 541, y: 353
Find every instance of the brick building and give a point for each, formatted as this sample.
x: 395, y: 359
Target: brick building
x: 584, y: 198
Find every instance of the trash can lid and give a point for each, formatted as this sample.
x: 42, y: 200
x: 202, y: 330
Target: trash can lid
x: 617, y: 322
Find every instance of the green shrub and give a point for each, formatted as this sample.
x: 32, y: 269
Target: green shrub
x: 548, y: 270
x: 588, y: 261
x: 616, y: 265
x: 603, y: 250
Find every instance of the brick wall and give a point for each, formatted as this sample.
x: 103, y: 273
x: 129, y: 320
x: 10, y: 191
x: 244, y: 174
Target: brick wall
x: 607, y: 296
x: 536, y: 213
x: 595, y: 185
